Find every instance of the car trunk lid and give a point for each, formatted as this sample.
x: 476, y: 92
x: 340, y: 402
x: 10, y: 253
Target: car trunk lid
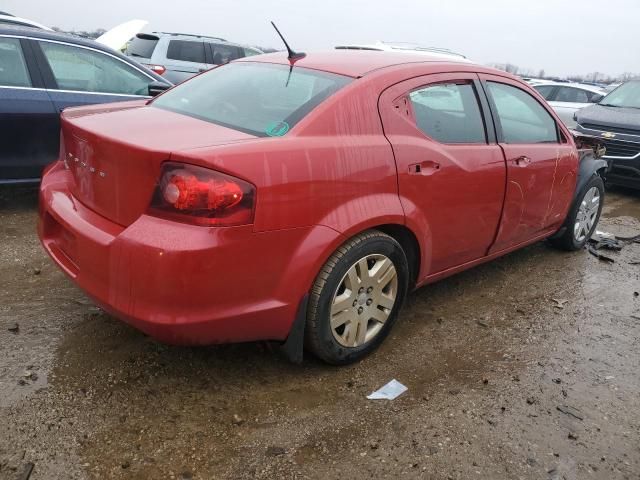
x: 115, y: 155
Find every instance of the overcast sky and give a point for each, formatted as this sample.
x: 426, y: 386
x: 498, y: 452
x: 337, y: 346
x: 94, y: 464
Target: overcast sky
x: 559, y: 36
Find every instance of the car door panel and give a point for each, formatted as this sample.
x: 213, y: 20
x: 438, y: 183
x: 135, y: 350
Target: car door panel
x: 28, y: 119
x: 455, y: 191
x: 540, y: 176
x: 184, y: 59
x: 28, y: 124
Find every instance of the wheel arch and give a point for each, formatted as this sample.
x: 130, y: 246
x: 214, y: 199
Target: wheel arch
x: 589, y: 166
x: 410, y: 245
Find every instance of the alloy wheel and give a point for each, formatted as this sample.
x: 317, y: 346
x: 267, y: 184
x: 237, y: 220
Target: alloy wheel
x: 364, y: 300
x: 587, y: 214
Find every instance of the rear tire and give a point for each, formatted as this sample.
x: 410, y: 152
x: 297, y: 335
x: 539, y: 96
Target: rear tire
x: 356, y: 298
x: 583, y: 217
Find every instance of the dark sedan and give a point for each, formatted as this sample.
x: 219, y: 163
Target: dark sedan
x: 41, y: 73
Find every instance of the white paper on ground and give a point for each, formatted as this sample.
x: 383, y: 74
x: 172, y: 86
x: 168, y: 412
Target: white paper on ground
x: 391, y: 390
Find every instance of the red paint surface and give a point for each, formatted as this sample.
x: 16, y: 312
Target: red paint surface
x: 341, y: 170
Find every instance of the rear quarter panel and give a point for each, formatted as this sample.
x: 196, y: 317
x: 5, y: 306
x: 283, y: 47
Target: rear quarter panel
x: 335, y: 168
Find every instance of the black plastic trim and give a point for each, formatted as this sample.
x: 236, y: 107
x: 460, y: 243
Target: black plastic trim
x: 293, y: 347
x: 47, y: 74
x: 487, y: 115
x: 32, y: 63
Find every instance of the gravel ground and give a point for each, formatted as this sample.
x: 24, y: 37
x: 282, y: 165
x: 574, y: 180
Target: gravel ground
x: 526, y: 367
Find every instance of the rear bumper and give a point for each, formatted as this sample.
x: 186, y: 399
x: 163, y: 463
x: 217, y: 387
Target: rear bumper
x: 179, y: 283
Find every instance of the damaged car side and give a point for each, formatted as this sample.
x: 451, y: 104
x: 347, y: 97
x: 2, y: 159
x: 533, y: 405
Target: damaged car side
x: 300, y: 200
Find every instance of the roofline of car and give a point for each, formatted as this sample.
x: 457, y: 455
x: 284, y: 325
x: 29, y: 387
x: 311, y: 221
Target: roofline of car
x: 466, y: 66
x: 155, y: 35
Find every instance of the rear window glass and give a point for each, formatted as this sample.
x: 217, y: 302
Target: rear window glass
x: 449, y: 113
x: 141, y: 47
x: 256, y: 98
x: 186, y: 51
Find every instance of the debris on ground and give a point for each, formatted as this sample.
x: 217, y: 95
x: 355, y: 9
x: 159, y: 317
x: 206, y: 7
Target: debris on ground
x: 275, y: 451
x: 237, y: 419
x: 15, y: 328
x: 608, y: 241
x: 569, y: 410
x: 559, y: 302
x: 26, y: 472
x: 599, y: 255
x: 390, y: 391
x: 605, y: 240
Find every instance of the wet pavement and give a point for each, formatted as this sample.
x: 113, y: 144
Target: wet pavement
x: 527, y: 367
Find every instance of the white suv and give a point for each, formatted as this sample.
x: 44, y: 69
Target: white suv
x: 179, y: 56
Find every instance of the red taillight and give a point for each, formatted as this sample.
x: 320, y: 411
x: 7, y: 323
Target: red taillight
x: 201, y: 196
x: 159, y: 69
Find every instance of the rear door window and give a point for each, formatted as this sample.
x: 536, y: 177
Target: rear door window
x: 13, y: 68
x: 521, y: 117
x: 186, y: 51
x: 449, y: 113
x: 84, y: 70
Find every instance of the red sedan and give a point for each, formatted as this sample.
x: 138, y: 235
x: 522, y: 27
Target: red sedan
x: 266, y: 200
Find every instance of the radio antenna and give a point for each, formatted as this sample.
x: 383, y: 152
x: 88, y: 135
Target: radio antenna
x: 292, y: 56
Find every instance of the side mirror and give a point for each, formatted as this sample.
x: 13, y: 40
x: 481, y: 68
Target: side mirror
x: 156, y: 87
x: 596, y: 98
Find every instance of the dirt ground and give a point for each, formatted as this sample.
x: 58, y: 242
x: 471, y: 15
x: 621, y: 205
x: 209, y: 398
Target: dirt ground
x: 527, y: 367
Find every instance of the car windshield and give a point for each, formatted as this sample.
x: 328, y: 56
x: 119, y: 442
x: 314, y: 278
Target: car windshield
x: 256, y: 98
x: 626, y: 95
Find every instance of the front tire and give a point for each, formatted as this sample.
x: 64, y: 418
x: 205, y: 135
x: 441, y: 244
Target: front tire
x: 356, y: 298
x: 583, y: 217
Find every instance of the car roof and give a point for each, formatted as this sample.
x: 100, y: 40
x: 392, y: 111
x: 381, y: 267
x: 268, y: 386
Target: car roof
x: 402, y: 47
x: 184, y: 35
x: 191, y: 36
x: 52, y: 35
x: 354, y: 63
x: 17, y: 21
x: 589, y: 88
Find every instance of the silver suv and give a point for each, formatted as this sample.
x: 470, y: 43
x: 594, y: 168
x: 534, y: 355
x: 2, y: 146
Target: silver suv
x: 179, y: 56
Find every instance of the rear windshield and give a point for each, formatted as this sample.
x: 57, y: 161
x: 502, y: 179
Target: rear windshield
x: 256, y: 98
x: 141, y: 47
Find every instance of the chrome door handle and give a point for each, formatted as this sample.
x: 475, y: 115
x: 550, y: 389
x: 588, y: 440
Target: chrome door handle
x: 522, y: 161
